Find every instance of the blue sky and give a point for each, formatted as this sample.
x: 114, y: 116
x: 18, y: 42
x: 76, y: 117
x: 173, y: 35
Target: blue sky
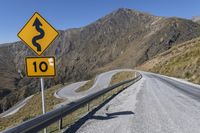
x: 64, y: 14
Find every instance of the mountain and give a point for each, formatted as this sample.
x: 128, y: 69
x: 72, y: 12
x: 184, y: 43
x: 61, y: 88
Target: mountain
x: 124, y: 38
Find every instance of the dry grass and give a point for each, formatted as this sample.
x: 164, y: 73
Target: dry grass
x: 122, y: 76
x: 86, y: 86
x: 32, y: 108
x: 182, y: 61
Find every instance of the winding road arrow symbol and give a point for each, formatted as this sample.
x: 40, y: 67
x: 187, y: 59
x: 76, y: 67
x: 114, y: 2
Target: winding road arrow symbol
x: 37, y: 25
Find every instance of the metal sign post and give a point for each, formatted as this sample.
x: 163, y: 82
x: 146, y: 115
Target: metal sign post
x: 42, y: 90
x: 43, y: 100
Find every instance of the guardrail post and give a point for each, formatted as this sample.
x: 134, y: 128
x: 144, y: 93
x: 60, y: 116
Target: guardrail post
x: 88, y: 106
x: 60, y: 124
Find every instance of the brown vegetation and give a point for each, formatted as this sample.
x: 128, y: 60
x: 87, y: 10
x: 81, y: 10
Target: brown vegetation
x: 182, y: 61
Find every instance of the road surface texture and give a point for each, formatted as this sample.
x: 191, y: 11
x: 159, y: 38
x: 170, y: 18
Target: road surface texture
x: 101, y: 82
x: 155, y: 104
x: 69, y: 89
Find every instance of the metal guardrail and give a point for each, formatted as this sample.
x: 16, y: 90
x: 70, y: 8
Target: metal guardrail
x: 42, y: 121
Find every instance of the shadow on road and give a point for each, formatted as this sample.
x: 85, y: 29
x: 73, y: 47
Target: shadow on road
x: 111, y: 115
x: 73, y: 128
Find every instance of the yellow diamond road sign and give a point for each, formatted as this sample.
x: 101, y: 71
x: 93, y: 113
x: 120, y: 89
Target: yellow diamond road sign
x: 38, y: 34
x: 40, y: 66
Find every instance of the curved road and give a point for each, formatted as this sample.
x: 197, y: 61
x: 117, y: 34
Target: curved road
x: 155, y: 104
x: 101, y: 81
x: 70, y: 89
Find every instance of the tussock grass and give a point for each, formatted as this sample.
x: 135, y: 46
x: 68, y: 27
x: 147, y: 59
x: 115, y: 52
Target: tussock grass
x: 86, y: 86
x: 122, y: 76
x: 182, y: 61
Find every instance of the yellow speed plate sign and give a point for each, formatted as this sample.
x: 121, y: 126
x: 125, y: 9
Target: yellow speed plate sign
x: 37, y: 34
x: 40, y: 66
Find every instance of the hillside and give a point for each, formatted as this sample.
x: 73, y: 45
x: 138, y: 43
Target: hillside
x: 196, y: 19
x: 122, y: 39
x: 182, y: 61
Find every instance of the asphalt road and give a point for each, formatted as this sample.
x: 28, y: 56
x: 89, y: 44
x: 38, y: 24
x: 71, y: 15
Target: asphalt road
x: 101, y: 82
x: 155, y: 104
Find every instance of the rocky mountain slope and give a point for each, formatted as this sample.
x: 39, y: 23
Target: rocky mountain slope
x: 121, y: 39
x: 182, y: 61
